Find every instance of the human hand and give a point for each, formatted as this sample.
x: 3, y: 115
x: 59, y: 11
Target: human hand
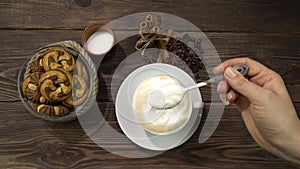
x: 265, y: 106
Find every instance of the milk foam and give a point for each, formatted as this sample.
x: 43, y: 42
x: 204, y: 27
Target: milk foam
x: 160, y: 121
x: 166, y: 96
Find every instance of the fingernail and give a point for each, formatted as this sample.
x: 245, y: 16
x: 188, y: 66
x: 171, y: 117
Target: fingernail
x: 227, y: 103
x: 231, y: 72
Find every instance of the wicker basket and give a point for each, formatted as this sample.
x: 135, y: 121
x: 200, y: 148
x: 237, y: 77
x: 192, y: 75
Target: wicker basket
x: 75, y: 49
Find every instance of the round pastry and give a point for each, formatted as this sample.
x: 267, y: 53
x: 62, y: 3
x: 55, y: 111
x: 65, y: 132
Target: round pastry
x: 79, y: 92
x: 52, y: 110
x: 155, y: 120
x: 56, y: 85
x: 35, y: 66
x: 30, y: 87
x: 80, y: 70
x: 58, y: 58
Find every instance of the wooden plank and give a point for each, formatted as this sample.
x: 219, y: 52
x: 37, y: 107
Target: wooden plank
x: 208, y: 15
x: 280, y: 52
x: 27, y: 141
x: 267, y: 31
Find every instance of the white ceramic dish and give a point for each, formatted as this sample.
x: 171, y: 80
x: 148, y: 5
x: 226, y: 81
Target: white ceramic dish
x: 130, y: 125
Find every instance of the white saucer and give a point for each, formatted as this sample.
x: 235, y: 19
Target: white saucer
x: 132, y: 128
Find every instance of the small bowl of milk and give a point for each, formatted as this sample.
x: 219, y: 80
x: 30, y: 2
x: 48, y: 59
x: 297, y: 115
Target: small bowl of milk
x: 98, y: 39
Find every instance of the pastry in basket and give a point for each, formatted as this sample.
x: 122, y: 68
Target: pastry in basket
x: 80, y: 70
x: 30, y: 87
x: 59, y: 82
x: 52, y: 110
x: 80, y: 86
x: 36, y: 66
x: 56, y: 82
x: 56, y: 85
x: 58, y: 58
x: 79, y: 94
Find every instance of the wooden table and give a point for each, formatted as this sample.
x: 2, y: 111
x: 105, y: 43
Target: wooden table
x: 267, y: 31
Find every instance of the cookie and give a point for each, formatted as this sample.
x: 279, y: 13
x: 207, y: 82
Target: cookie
x: 30, y: 87
x: 52, y: 110
x: 58, y: 58
x: 56, y: 85
x: 80, y: 92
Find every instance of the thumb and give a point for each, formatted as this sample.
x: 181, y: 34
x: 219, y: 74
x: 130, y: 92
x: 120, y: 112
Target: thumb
x: 242, y: 85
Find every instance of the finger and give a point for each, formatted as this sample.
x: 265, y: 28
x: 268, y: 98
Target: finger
x: 242, y: 85
x: 254, y: 67
x: 223, y: 87
x: 227, y: 95
x: 232, y: 96
x: 223, y: 98
x: 260, y: 75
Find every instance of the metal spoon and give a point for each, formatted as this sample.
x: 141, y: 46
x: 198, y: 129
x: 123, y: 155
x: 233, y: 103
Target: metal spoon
x: 159, y: 100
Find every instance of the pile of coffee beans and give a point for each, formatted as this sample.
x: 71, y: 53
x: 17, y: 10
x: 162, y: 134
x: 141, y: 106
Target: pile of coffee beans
x: 180, y: 54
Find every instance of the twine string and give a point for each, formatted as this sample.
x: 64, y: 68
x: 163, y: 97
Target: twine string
x: 151, y: 26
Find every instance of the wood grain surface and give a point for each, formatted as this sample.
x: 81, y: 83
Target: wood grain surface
x: 267, y: 31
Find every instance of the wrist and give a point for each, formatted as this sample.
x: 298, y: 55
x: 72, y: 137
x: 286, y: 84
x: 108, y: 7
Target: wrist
x: 291, y: 150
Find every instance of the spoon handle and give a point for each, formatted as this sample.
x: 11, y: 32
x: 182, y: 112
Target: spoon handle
x: 243, y: 69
